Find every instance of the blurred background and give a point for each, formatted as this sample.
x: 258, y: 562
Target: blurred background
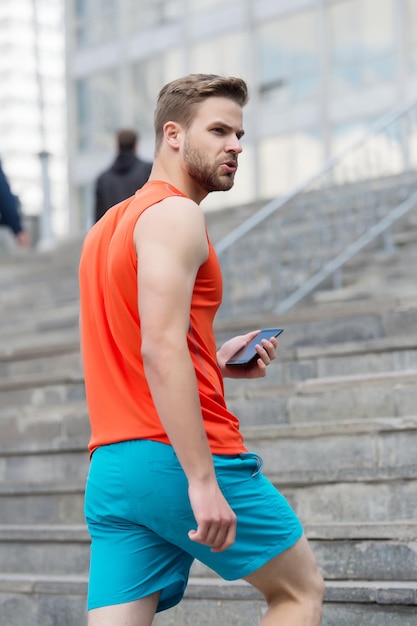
x: 318, y: 236
x: 320, y: 72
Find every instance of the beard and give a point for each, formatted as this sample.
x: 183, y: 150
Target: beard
x: 203, y: 173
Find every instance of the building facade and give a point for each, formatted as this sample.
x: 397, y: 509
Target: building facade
x: 319, y: 72
x: 32, y: 106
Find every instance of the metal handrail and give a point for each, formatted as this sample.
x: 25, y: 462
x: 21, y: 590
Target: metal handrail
x: 387, y: 211
x: 276, y: 204
x: 330, y: 268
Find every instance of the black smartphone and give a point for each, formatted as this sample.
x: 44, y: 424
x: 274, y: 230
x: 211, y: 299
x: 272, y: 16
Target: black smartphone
x: 246, y: 355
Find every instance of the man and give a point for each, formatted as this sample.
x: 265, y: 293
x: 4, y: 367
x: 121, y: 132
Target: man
x: 9, y: 212
x: 125, y: 176
x: 170, y: 477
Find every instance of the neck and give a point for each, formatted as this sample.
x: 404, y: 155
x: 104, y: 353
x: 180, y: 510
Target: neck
x: 179, y: 179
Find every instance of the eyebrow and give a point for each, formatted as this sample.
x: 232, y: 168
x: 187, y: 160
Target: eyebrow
x: 239, y: 132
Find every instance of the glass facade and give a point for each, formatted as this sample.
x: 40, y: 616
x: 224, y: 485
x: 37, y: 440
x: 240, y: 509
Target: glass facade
x: 148, y: 13
x: 287, y: 160
x: 226, y: 54
x: 319, y: 72
x: 288, y: 59
x: 33, y: 103
x: 96, y: 21
x: 197, y: 6
x: 98, y: 111
x: 411, y: 30
x: 147, y: 78
x: 362, y: 43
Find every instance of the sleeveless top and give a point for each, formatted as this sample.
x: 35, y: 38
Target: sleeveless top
x: 118, y: 397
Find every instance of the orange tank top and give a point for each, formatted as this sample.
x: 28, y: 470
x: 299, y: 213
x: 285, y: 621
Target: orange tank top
x: 118, y: 397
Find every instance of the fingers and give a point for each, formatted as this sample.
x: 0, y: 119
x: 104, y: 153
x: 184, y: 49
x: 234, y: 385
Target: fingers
x: 218, y: 535
x: 267, y: 351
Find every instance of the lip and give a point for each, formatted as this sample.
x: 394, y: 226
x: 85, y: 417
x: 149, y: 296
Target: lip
x: 230, y: 166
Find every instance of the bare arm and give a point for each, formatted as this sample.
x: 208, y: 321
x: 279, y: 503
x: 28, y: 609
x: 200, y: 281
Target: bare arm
x: 171, y: 245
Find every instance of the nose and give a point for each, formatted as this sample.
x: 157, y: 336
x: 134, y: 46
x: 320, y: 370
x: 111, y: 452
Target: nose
x: 234, y: 145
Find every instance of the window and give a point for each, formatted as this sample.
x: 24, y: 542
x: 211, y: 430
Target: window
x: 98, y: 111
x: 288, y: 60
x: 288, y: 160
x: 223, y: 55
x: 152, y: 12
x: 202, y: 5
x: 412, y: 135
x: 411, y: 27
x: 148, y: 77
x: 381, y: 155
x: 362, y: 43
x: 95, y: 21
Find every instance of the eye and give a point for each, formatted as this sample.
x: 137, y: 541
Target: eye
x: 218, y: 130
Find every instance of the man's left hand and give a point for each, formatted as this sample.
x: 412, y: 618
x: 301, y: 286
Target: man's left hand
x: 266, y: 351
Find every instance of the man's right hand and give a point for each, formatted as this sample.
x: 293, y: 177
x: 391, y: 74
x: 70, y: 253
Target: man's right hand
x: 22, y: 239
x: 216, y: 522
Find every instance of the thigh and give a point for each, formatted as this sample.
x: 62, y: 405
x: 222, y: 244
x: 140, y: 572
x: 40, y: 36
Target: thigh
x: 293, y: 571
x: 137, y: 613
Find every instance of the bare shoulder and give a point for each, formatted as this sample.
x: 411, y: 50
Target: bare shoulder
x: 173, y: 220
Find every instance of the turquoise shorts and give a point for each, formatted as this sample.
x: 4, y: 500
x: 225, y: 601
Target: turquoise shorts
x: 138, y: 515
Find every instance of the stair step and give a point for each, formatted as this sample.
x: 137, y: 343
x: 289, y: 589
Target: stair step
x: 29, y: 599
x: 64, y: 549
x: 342, y: 398
x: 33, y: 599
x: 238, y: 604
x: 44, y: 549
x: 358, y: 448
x: 33, y: 319
x: 58, y: 503
x: 37, y: 343
x: 317, y: 498
x: 369, y: 499
x: 54, y: 438
x: 54, y: 351
x: 45, y: 469
x: 364, y: 395
x: 41, y: 388
x: 347, y: 592
x: 346, y: 359
x: 396, y: 530
x: 331, y: 323
x: 70, y: 360
x: 45, y: 428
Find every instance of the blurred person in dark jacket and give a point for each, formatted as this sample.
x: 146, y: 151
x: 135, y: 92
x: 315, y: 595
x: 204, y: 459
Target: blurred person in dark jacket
x: 124, y: 177
x: 9, y: 212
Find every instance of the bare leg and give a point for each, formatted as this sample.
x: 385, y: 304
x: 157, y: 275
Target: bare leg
x: 292, y: 586
x: 137, y: 613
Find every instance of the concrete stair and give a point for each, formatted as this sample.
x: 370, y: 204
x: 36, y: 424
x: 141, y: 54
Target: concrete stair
x: 335, y: 421
x: 259, y: 271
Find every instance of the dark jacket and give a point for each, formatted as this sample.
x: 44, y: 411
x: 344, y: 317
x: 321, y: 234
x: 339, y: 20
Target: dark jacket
x: 127, y: 174
x: 9, y: 206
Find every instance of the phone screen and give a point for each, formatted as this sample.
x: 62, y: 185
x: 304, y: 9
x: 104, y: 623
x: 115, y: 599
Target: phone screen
x: 248, y: 353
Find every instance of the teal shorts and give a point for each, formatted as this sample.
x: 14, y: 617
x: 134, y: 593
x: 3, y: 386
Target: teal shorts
x: 138, y: 515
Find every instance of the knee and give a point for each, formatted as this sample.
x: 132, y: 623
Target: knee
x: 307, y: 595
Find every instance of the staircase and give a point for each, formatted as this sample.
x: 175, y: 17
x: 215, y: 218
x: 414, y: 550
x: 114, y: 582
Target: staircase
x: 281, y: 253
x: 335, y: 421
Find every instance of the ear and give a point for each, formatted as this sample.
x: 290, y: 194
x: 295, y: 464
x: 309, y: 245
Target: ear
x: 172, y: 134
